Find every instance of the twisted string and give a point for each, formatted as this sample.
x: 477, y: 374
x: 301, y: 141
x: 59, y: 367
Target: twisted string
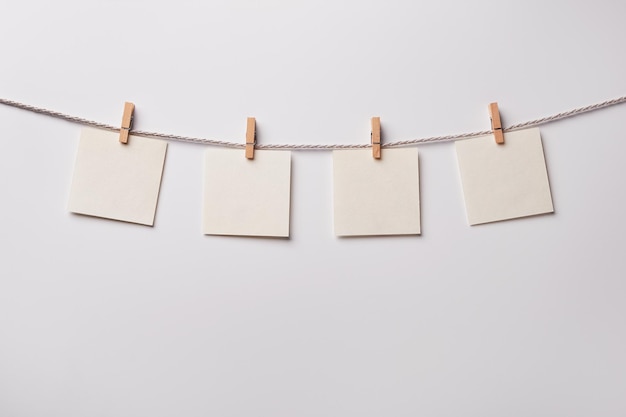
x: 213, y: 142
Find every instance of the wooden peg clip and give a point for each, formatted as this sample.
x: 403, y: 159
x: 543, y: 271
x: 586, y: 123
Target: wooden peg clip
x: 376, y: 137
x: 496, y: 123
x: 250, y: 137
x: 127, y: 122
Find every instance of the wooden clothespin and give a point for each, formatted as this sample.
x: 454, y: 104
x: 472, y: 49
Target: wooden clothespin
x: 496, y: 123
x: 127, y: 122
x: 376, y: 137
x: 250, y: 137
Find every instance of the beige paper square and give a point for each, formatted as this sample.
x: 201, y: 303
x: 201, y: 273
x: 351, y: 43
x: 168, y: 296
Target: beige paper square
x: 117, y: 181
x: 506, y: 181
x: 247, y: 197
x: 376, y: 196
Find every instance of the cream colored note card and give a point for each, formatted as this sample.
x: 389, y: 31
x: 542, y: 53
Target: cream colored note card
x: 117, y: 181
x: 506, y: 181
x: 247, y: 197
x: 376, y: 196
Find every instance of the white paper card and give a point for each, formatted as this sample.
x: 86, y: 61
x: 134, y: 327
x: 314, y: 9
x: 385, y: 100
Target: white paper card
x: 506, y: 181
x: 247, y: 197
x: 117, y: 181
x: 376, y: 196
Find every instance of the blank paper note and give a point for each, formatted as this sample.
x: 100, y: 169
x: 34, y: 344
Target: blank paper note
x: 376, y: 196
x: 506, y: 181
x: 247, y: 197
x: 117, y: 181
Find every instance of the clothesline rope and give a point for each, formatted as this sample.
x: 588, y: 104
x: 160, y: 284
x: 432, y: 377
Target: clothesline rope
x: 204, y: 141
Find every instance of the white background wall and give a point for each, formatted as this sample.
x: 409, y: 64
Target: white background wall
x: 519, y: 318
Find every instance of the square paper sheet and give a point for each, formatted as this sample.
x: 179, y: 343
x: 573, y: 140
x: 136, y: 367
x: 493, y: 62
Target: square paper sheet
x: 247, y: 197
x: 117, y: 181
x: 506, y: 181
x: 376, y: 196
